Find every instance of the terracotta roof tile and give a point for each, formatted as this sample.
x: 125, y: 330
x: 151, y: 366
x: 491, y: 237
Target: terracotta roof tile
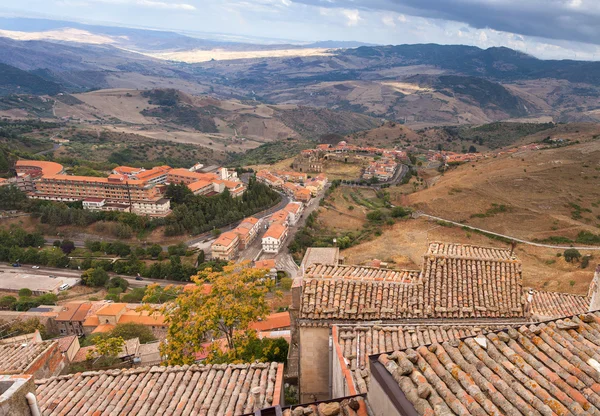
x: 15, y: 358
x: 546, y: 305
x: 354, y: 406
x: 358, y: 342
x: 450, y: 285
x: 546, y: 368
x: 218, y: 390
x: 468, y: 251
x: 274, y: 321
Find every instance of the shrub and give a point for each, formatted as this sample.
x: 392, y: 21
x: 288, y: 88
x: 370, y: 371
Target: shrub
x: 286, y: 283
x: 572, y: 255
x: 375, y: 216
x: 25, y: 293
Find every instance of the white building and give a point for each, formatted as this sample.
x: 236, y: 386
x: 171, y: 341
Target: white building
x: 273, y: 239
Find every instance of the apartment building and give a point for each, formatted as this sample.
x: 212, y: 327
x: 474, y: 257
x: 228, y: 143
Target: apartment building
x: 38, y: 168
x: 187, y: 177
x: 294, y: 210
x: 226, y: 246
x: 274, y: 237
x: 247, y: 231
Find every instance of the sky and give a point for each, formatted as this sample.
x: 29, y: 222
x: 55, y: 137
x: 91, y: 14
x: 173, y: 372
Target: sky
x: 550, y: 29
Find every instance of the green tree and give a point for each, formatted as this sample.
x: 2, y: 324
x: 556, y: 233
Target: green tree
x: 132, y: 330
x: 94, y: 277
x: 7, y: 302
x: 154, y: 250
x: 106, y: 347
x: 25, y: 293
x: 118, y: 282
x: 201, y: 257
x: 572, y: 255
x: 67, y: 246
x: 237, y: 298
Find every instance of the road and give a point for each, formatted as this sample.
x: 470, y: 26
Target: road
x: 44, y: 272
x: 531, y: 243
x: 284, y: 259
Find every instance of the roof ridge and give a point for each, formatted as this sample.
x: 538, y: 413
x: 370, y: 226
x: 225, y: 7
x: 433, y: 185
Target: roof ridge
x: 157, y: 369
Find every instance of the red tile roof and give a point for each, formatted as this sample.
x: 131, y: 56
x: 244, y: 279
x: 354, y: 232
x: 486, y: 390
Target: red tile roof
x: 274, y: 321
x: 217, y: 390
x: 276, y: 231
x: 547, y: 368
x: 547, y: 305
x: 47, y: 168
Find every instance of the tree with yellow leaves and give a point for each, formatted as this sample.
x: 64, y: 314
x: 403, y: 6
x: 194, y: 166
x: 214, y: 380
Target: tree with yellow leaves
x: 234, y: 299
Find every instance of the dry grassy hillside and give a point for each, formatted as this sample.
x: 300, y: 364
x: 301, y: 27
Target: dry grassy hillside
x: 543, y: 193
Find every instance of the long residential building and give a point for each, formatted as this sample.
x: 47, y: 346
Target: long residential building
x: 274, y: 237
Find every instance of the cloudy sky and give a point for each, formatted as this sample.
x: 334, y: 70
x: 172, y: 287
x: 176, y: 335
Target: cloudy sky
x: 544, y: 28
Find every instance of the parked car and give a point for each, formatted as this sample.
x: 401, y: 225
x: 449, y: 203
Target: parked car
x: 52, y: 276
x: 138, y: 278
x: 16, y: 265
x: 35, y: 267
x: 64, y: 286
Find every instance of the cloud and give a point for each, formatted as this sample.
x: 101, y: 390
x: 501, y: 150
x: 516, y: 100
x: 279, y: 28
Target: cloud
x: 574, y: 20
x: 165, y: 5
x: 352, y: 16
x: 388, y: 20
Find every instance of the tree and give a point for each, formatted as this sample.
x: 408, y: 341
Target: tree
x: 201, y: 257
x: 106, y: 347
x: 25, y: 293
x: 250, y: 348
x: 154, y: 250
x: 94, y: 277
x: 118, y: 282
x: 7, y: 302
x: 132, y: 330
x: 572, y: 255
x: 67, y: 246
x: 237, y: 298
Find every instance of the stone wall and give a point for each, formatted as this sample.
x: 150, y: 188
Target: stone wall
x: 49, y: 363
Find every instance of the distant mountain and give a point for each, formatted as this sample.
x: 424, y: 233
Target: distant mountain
x: 337, y: 44
x: 16, y: 81
x: 499, y: 63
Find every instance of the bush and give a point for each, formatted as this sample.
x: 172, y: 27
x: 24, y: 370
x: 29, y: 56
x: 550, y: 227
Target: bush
x: 375, y: 216
x: 400, y: 212
x: 132, y: 330
x: 25, y: 293
x: 572, y: 255
x: 286, y: 283
x: 585, y: 261
x: 118, y: 282
x: 94, y: 277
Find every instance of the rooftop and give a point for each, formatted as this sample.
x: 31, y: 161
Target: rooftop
x: 218, y: 390
x: 469, y: 252
x: 548, y: 305
x: 16, y: 357
x: 274, y: 321
x: 546, y: 368
x: 320, y: 255
x: 48, y: 168
x: 276, y: 230
x: 225, y: 239
x: 358, y: 342
x: 329, y: 271
x: 265, y: 264
x: 111, y: 309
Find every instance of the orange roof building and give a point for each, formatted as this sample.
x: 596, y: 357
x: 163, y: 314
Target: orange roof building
x: 226, y: 246
x: 37, y: 168
x: 274, y: 237
x: 280, y: 320
x: 265, y: 264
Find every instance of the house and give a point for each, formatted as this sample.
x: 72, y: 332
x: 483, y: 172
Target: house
x: 31, y: 357
x: 455, y: 295
x: 71, y: 318
x: 267, y: 264
x: 201, y: 187
x: 226, y: 246
x: 268, y: 178
x: 109, y: 315
x: 281, y: 216
x: 302, y: 195
x: 219, y: 390
x: 294, y: 210
x: 273, y: 322
x: 247, y: 231
x: 274, y: 237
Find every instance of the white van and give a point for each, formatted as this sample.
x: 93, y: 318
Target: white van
x: 64, y: 286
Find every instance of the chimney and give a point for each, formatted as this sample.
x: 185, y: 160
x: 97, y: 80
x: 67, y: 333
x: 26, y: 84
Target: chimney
x: 17, y: 396
x: 594, y: 291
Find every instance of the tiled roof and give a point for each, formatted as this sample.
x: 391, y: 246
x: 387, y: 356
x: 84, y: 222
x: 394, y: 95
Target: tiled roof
x: 111, y: 309
x: 352, y: 406
x: 357, y: 342
x: 329, y: 271
x: 250, y: 220
x: 549, y: 368
x: 450, y: 290
x: 320, y: 255
x: 265, y: 264
x: 194, y: 186
x: 456, y: 287
x: 81, y: 354
x: 48, y: 168
x: 276, y: 231
x: 217, y: 390
x: 225, y: 239
x: 468, y: 251
x: 555, y: 305
x: 64, y: 343
x: 15, y: 358
x: 103, y: 328
x: 274, y: 321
